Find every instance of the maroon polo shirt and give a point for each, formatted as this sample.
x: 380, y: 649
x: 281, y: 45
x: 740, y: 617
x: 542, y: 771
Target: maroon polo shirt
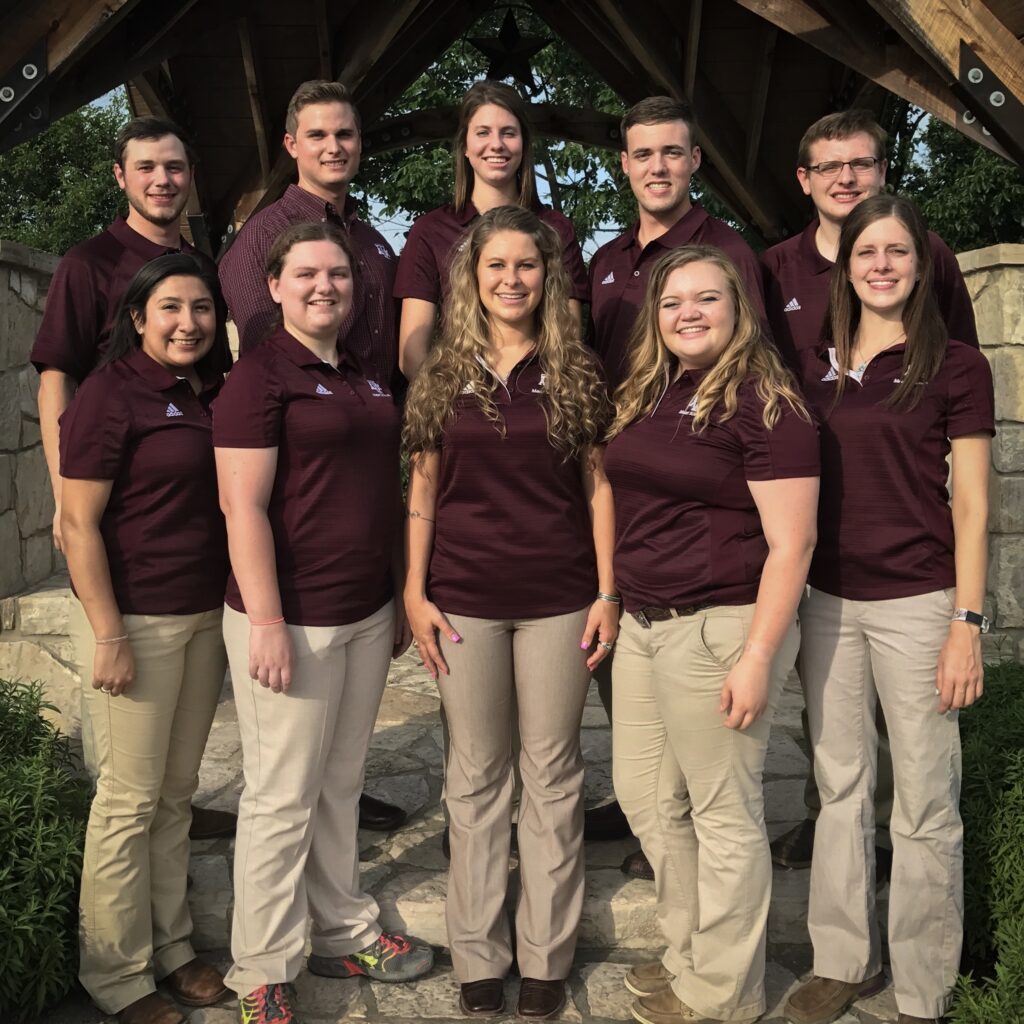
x: 687, y: 530
x: 512, y: 533
x: 797, y: 293
x: 84, y: 294
x: 885, y: 529
x: 136, y: 424
x: 334, y: 508
x: 423, y: 270
x: 369, y: 332
x: 620, y: 269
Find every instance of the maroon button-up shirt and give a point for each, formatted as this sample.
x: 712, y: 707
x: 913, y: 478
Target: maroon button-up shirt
x: 687, y: 530
x: 135, y: 423
x: 885, y: 529
x: 797, y: 293
x: 423, y: 270
x: 512, y: 534
x: 620, y: 269
x: 84, y: 294
x: 369, y: 332
x: 334, y: 507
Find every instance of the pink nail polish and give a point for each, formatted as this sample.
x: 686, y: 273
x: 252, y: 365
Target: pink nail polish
x: 584, y: 646
x: 456, y: 638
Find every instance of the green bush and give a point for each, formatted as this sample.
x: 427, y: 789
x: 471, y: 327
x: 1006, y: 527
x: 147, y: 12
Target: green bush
x: 992, y: 805
x: 43, y: 811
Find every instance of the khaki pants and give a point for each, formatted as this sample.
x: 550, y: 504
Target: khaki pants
x: 537, y: 664
x: 147, y: 746
x: 303, y: 757
x: 855, y: 653
x: 692, y: 791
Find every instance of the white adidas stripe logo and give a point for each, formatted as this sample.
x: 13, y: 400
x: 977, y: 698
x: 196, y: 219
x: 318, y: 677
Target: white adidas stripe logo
x: 792, y: 306
x: 173, y: 410
x: 321, y: 390
x: 610, y: 279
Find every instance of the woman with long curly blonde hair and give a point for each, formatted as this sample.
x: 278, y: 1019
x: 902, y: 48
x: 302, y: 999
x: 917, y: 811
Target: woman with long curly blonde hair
x: 713, y: 461
x: 509, y: 540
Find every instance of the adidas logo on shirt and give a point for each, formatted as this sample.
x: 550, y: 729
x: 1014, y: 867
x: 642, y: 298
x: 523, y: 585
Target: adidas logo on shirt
x: 173, y: 410
x: 321, y: 390
x: 383, y: 250
x: 792, y: 306
x: 610, y: 278
x: 377, y: 391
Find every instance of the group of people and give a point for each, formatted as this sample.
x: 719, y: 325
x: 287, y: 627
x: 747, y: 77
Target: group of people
x: 660, y: 496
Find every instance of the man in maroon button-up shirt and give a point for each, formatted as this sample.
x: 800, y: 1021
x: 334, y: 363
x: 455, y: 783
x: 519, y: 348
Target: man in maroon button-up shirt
x: 323, y: 137
x: 659, y: 157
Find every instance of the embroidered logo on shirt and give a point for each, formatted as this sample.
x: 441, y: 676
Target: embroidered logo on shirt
x: 610, y: 279
x: 321, y: 390
x: 539, y: 389
x: 792, y: 306
x: 831, y: 375
x: 691, y: 409
x: 919, y: 384
x: 377, y: 390
x: 173, y: 410
x: 469, y: 389
x: 383, y: 250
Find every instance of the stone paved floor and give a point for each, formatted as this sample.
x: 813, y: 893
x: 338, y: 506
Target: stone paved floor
x: 408, y: 875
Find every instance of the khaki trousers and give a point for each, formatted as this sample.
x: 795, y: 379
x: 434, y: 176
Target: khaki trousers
x: 303, y: 758
x: 147, y: 745
x: 855, y: 653
x: 692, y: 791
x: 536, y: 664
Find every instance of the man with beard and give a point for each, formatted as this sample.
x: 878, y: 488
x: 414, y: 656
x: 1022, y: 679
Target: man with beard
x: 153, y: 164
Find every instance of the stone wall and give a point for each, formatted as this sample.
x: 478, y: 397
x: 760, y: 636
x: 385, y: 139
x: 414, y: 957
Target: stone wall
x: 995, y: 279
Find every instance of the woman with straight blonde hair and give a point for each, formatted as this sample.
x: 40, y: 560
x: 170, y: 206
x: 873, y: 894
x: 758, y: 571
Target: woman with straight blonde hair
x: 509, y: 544
x: 713, y: 461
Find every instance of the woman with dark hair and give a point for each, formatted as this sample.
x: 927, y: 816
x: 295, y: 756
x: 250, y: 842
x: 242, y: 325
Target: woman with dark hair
x: 493, y: 156
x: 145, y: 544
x: 893, y: 614
x: 509, y: 549
x: 713, y: 462
x: 307, y: 460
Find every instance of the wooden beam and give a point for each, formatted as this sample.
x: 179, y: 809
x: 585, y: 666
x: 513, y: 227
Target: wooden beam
x: 692, y: 46
x: 252, y: 84
x: 323, y: 39
x: 759, y: 99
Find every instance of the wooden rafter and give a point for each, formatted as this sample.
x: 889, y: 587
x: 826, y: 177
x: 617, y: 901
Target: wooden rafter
x: 252, y: 84
x: 759, y: 99
x: 692, y: 46
x: 323, y: 39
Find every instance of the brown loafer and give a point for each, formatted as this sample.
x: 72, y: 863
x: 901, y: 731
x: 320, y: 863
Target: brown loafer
x: 151, y: 1009
x: 822, y: 1000
x: 197, y: 984
x: 647, y: 979
x: 484, y: 998
x: 540, y: 999
x: 208, y: 823
x: 636, y: 865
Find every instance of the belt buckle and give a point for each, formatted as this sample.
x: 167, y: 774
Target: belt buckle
x: 645, y: 623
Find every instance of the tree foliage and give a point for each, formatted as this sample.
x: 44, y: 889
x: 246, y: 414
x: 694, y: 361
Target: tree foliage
x: 57, y: 187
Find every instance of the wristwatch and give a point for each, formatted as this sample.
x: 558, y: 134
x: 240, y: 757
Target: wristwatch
x: 963, y: 615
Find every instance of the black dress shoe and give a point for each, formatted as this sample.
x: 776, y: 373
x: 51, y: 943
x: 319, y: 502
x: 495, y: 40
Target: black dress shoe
x: 482, y: 998
x: 378, y: 816
x: 539, y: 999
x: 210, y: 824
x: 636, y: 865
x: 793, y: 849
x: 606, y: 822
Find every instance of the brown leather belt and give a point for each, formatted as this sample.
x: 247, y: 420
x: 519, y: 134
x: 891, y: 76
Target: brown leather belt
x: 645, y: 616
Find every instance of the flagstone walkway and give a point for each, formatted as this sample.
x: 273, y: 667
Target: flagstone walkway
x: 408, y: 875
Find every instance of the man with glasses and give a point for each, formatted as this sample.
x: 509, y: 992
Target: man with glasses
x: 841, y: 162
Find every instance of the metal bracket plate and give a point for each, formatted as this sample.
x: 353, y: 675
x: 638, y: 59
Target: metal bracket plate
x: 991, y: 108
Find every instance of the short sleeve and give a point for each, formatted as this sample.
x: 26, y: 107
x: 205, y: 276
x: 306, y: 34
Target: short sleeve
x: 753, y: 275
x: 418, y: 276
x: 244, y: 284
x: 971, y: 404
x: 95, y: 431
x: 789, y: 449
x: 68, y: 338
x: 572, y: 256
x: 952, y: 295
x: 248, y: 411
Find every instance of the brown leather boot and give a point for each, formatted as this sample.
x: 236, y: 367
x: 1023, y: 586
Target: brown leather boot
x: 197, y: 984
x: 151, y: 1009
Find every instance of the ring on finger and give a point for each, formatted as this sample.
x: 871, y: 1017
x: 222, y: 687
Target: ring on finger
x: 605, y: 644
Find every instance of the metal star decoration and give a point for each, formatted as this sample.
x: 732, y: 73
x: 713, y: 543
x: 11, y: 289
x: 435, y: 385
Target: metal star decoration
x: 510, y: 53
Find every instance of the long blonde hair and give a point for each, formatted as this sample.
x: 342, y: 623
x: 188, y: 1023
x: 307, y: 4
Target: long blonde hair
x: 747, y: 356
x: 575, y: 402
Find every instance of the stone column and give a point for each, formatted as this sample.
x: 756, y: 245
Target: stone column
x: 995, y: 279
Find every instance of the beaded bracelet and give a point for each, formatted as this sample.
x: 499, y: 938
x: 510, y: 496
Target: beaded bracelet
x: 112, y: 640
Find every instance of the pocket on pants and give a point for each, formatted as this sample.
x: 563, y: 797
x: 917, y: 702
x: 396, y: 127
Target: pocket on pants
x: 722, y: 638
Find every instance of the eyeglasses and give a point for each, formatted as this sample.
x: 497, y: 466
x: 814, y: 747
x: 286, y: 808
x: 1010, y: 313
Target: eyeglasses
x: 832, y: 168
